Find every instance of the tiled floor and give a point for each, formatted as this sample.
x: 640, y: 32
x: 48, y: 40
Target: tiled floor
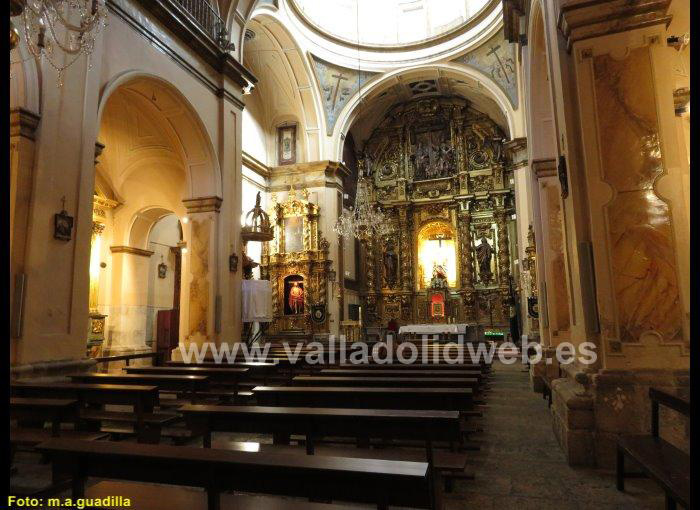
x: 521, y: 466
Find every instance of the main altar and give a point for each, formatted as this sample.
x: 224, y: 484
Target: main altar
x: 439, y: 170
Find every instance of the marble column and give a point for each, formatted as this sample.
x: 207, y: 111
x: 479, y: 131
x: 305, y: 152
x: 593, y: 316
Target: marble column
x: 202, y: 270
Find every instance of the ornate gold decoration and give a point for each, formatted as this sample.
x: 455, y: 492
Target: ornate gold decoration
x: 311, y: 262
x: 257, y: 224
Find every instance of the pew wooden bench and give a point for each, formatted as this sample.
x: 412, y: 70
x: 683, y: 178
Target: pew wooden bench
x: 367, y: 481
x: 92, y: 397
x: 659, y: 459
x: 191, y: 384
x: 397, y: 381
x: 38, y: 411
x: 144, y: 496
x: 447, y: 399
x: 343, y: 372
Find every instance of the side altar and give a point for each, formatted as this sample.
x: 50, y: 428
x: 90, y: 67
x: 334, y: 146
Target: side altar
x: 296, y: 263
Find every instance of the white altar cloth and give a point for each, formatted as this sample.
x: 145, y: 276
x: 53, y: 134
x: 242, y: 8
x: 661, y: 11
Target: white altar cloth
x: 257, y: 301
x: 434, y: 329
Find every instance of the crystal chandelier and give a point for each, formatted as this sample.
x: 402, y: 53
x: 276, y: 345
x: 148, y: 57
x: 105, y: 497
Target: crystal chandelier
x: 66, y: 25
x: 364, y: 221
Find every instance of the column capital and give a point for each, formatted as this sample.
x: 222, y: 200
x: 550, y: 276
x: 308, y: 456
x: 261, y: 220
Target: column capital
x: 23, y: 123
x: 578, y: 20
x: 202, y: 204
x: 131, y: 251
x: 544, y: 168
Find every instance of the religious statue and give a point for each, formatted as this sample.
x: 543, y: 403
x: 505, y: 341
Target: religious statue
x: 390, y: 266
x: 296, y: 298
x: 439, y: 279
x: 484, y: 252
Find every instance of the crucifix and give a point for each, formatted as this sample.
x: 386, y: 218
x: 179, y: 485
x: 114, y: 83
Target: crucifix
x: 338, y: 78
x: 493, y: 51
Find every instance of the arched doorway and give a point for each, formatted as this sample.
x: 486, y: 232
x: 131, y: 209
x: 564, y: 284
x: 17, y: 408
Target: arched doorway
x: 155, y: 177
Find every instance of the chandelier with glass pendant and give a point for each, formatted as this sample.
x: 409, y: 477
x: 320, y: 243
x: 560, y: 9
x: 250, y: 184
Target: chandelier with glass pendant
x: 55, y: 27
x: 364, y: 221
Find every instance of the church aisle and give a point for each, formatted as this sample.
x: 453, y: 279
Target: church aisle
x: 521, y: 466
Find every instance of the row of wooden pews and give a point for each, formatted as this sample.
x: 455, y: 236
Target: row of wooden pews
x: 398, y: 432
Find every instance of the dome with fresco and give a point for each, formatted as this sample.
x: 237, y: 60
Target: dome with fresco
x: 389, y: 23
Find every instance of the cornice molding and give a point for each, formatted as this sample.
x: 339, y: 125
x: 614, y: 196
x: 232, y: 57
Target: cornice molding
x: 131, y: 251
x: 544, y: 167
x: 579, y: 20
x: 23, y: 123
x: 182, y: 60
x: 256, y: 166
x: 202, y: 204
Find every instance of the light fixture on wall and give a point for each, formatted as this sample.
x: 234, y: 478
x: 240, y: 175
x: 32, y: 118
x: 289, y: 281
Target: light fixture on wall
x: 52, y: 27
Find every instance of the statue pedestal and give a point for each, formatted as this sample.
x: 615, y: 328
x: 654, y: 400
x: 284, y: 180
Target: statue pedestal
x: 96, y: 335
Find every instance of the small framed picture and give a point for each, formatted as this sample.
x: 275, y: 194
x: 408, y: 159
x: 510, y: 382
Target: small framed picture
x: 162, y: 270
x: 63, y: 226
x: 233, y: 263
x: 287, y: 145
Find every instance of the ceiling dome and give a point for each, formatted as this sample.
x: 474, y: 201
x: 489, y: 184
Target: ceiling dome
x: 388, y: 22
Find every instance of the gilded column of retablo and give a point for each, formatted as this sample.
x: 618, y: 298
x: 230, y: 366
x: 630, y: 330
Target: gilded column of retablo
x: 639, y: 230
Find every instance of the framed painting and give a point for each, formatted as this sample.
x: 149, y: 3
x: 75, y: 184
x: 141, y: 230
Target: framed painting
x: 287, y: 145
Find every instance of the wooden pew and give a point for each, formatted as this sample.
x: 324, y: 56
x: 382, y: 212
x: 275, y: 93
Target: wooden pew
x: 216, y: 375
x: 191, y: 384
x: 37, y: 411
x: 387, y: 382
x: 484, y: 368
x: 361, y: 424
x: 659, y: 459
x: 326, y: 478
x: 449, y: 399
x: 142, y: 399
x: 167, y: 497
x: 343, y: 372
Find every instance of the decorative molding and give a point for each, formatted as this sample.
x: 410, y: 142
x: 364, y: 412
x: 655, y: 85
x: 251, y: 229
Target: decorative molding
x: 23, y: 123
x: 162, y: 46
x: 256, y: 166
x: 516, y: 151
x: 131, y: 251
x: 544, y: 168
x: 202, y: 204
x: 578, y: 20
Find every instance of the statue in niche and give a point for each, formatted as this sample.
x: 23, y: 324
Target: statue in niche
x: 484, y: 253
x: 439, y: 279
x: 296, y: 298
x: 390, y: 266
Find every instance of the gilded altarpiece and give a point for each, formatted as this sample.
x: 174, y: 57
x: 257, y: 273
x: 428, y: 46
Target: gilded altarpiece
x: 439, y: 171
x: 297, y: 265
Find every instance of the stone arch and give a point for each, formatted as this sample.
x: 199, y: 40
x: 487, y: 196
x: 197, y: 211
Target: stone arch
x: 194, y: 146
x: 25, y: 84
x: 542, y: 128
x: 489, y: 92
x: 285, y: 84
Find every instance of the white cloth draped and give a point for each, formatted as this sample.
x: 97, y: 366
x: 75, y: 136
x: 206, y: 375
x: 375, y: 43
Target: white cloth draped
x: 257, y: 301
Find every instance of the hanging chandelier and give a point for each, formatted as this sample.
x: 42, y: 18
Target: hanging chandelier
x: 364, y: 221
x: 52, y: 27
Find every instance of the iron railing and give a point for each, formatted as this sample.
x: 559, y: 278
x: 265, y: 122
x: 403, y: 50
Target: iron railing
x: 207, y: 18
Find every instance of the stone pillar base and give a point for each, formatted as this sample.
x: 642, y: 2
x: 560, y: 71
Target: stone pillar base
x: 573, y: 421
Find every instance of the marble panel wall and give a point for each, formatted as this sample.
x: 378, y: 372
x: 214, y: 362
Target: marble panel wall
x: 640, y: 234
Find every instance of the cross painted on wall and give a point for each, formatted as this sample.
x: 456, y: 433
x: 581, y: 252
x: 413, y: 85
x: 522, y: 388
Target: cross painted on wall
x: 333, y: 89
x: 501, y: 68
